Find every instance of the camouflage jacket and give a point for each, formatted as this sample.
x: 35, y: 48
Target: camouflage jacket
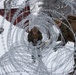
x: 31, y: 39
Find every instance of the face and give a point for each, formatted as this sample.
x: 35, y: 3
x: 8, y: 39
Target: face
x: 35, y: 34
x: 34, y: 30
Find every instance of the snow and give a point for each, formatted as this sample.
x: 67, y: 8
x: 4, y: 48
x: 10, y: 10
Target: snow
x: 60, y: 62
x: 19, y: 2
x: 2, y: 4
x: 53, y: 60
x: 6, y: 26
x: 34, y: 6
x: 3, y: 46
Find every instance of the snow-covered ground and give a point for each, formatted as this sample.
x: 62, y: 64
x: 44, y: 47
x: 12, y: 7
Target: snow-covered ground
x: 4, y: 36
x: 60, y: 61
x: 18, y: 2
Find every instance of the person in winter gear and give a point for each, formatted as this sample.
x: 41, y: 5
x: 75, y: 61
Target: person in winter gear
x: 35, y: 37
